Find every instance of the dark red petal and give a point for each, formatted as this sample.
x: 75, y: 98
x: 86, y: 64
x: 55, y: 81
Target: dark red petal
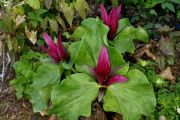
x: 49, y: 41
x: 113, y: 23
x: 51, y: 53
x: 60, y: 48
x: 103, y: 67
x: 104, y: 15
x: 116, y: 79
x: 119, y: 11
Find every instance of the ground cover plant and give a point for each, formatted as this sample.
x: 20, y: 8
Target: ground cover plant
x: 70, y: 64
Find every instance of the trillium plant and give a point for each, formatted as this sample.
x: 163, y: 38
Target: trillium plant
x: 90, y: 69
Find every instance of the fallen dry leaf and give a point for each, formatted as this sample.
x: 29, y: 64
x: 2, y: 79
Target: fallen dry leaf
x: 20, y: 19
x: 151, y: 55
x: 145, y: 50
x: 162, y: 117
x: 165, y: 28
x: 42, y: 113
x: 140, y: 52
x: 31, y: 35
x: 167, y: 74
x: 52, y: 117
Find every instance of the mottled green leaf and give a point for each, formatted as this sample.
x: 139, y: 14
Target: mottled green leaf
x: 132, y: 98
x: 68, y: 11
x: 61, y: 21
x: 82, y: 7
x: 48, y: 3
x: 54, y: 25
x: 46, y: 76
x: 74, y: 96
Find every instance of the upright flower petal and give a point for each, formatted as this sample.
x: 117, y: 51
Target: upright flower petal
x: 116, y: 79
x: 49, y: 41
x: 104, y: 15
x: 60, y: 48
x: 119, y: 11
x: 103, y: 67
x: 113, y: 23
x: 53, y: 54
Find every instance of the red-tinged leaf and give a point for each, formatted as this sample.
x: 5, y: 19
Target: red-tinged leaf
x: 51, y: 53
x: 103, y: 67
x: 60, y: 48
x: 49, y: 41
x: 113, y: 23
x: 104, y: 15
x: 118, y: 10
x: 116, y: 79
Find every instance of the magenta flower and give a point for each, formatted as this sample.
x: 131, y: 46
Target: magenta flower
x: 111, y: 20
x: 103, y: 68
x: 56, y: 51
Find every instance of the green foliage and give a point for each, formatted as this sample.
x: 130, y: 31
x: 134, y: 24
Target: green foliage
x: 168, y: 102
x: 35, y: 79
x: 24, y: 69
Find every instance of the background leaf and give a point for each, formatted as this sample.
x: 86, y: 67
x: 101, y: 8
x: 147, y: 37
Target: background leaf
x: 54, y: 25
x: 33, y: 3
x: 82, y: 7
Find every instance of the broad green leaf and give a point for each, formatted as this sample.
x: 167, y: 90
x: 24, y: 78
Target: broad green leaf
x: 78, y: 33
x: 82, y: 7
x: 54, y: 25
x: 95, y: 34
x: 123, y: 23
x: 129, y: 30
x: 74, y: 96
x: 116, y: 58
x: 46, y: 76
x: 73, y: 50
x: 124, y: 69
x: 141, y: 34
x: 124, y: 43
x: 33, y: 3
x: 132, y: 98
